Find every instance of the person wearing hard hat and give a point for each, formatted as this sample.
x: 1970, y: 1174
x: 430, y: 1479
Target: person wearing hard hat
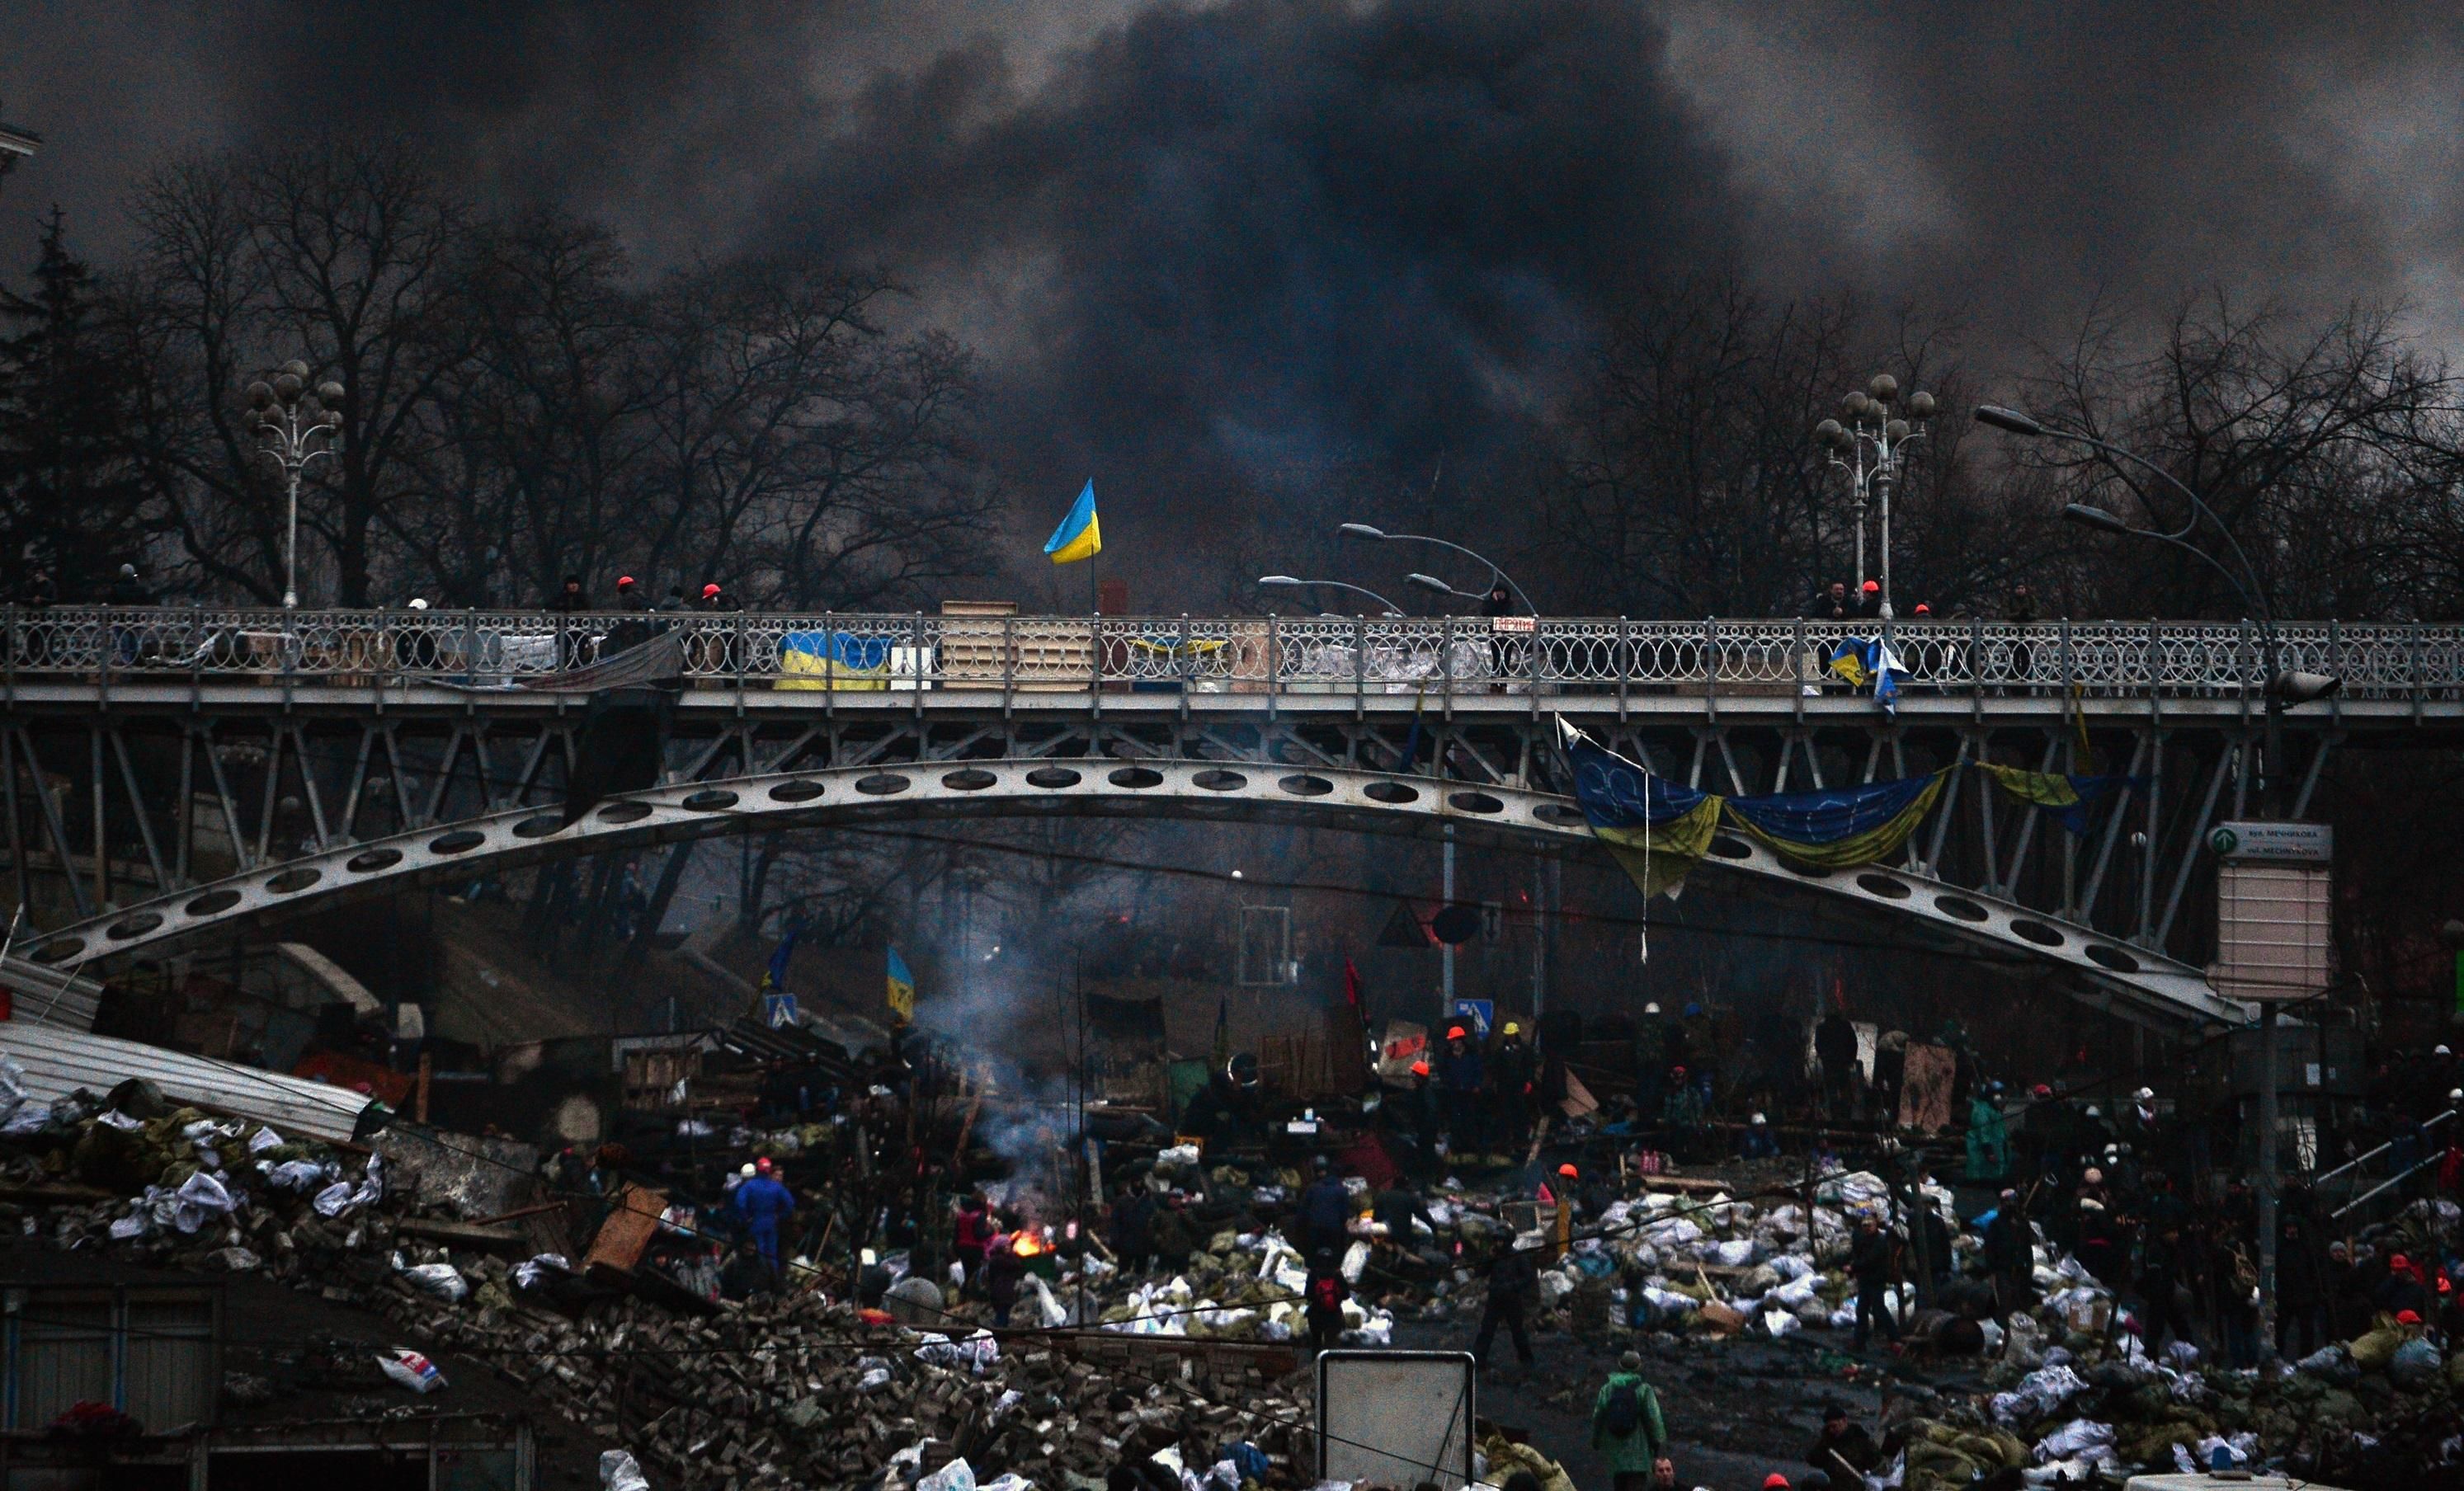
x: 1650, y: 1065
x: 1512, y: 1072
x: 1755, y: 1141
x: 1460, y: 1075
x: 764, y: 1204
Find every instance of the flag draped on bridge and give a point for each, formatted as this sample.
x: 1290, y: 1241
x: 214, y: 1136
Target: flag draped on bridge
x: 2070, y: 797
x: 1658, y: 830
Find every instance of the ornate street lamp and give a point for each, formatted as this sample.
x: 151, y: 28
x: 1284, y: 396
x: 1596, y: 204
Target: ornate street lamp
x: 1870, y: 446
x: 298, y: 424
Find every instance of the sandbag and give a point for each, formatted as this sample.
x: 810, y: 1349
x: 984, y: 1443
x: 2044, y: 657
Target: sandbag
x: 2417, y: 1363
x: 2372, y: 1349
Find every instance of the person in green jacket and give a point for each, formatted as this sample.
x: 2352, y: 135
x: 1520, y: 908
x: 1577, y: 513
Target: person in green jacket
x: 1627, y: 1425
x: 1989, y: 1138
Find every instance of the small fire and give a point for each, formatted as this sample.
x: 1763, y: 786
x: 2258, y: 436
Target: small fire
x: 1029, y: 1242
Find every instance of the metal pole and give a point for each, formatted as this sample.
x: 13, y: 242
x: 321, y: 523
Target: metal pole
x: 291, y: 544
x: 1446, y: 953
x: 2267, y: 1182
x: 1882, y: 489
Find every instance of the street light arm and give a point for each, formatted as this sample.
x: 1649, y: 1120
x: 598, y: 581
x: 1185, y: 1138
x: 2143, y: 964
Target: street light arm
x: 2198, y: 508
x: 1499, y: 574
x: 1287, y: 581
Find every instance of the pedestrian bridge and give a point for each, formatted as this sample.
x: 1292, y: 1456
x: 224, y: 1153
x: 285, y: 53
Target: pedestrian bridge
x: 178, y: 770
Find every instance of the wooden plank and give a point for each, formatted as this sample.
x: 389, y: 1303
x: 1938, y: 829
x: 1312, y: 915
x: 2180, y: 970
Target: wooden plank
x: 627, y: 1233
x: 475, y: 1233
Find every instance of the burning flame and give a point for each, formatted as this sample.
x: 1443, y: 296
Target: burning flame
x: 1029, y: 1242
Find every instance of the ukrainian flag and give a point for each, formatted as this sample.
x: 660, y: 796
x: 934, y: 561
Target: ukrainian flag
x: 902, y: 988
x: 1079, y: 536
x: 2069, y: 796
x: 1844, y: 826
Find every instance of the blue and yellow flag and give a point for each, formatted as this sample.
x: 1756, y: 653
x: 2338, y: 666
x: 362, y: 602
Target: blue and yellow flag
x: 2071, y: 795
x: 902, y: 988
x: 775, y: 976
x: 1079, y: 536
x: 1844, y: 826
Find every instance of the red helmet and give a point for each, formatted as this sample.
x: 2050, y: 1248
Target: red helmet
x: 1872, y: 587
x: 1454, y: 1033
x: 706, y: 591
x: 761, y: 1166
x: 1567, y: 1170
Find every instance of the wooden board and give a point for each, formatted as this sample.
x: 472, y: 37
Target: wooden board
x: 1925, y: 1088
x: 632, y: 1222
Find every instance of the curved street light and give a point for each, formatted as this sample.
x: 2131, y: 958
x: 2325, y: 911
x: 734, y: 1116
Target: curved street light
x: 1295, y: 582
x: 1371, y: 533
x: 298, y: 424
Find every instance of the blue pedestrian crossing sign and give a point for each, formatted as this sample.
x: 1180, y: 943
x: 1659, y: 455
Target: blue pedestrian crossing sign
x: 1480, y: 1012
x: 778, y: 1010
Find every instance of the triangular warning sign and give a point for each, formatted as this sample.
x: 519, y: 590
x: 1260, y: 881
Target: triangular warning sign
x: 1405, y: 929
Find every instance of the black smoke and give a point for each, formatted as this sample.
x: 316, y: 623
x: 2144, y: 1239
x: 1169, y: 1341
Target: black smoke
x: 1247, y: 263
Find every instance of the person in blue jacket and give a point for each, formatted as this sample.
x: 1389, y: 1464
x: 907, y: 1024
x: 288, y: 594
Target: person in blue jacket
x: 764, y: 1204
x: 1460, y: 1075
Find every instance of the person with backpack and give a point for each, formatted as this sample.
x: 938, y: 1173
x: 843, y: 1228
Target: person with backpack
x: 1326, y: 1292
x: 1627, y: 1425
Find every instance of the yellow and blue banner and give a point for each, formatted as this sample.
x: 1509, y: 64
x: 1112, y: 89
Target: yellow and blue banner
x: 1658, y: 830
x: 1079, y: 537
x: 2069, y: 796
x: 833, y: 660
x: 902, y: 988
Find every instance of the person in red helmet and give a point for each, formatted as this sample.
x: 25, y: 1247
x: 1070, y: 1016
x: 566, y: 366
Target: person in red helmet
x: 1460, y: 1078
x: 712, y: 599
x: 1869, y: 600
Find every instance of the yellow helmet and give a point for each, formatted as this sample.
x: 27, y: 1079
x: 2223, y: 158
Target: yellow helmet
x: 1512, y: 1028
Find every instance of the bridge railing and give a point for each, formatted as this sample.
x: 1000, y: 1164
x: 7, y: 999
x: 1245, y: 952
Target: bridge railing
x: 1315, y: 655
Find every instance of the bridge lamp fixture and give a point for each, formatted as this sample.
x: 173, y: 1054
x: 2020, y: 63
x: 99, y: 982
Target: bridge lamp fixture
x: 1868, y: 444
x: 1295, y: 582
x: 297, y: 425
x: 1433, y: 582
x: 1370, y: 533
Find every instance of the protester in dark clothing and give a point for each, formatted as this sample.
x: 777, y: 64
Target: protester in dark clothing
x: 569, y: 600
x: 1460, y: 1075
x: 2403, y: 1290
x: 1844, y: 1452
x: 2022, y: 606
x: 1225, y: 1111
x: 2102, y: 1249
x: 1133, y: 1229
x: 1834, y: 1045
x: 2010, y: 1255
x: 746, y: 1274
x: 2160, y: 1280
x: 1873, y: 1258
x: 713, y: 599
x: 1514, y: 1071
x: 1172, y: 1234
x: 128, y: 589
x: 1325, y: 1292
x: 1513, y: 1284
x: 971, y: 1235
x: 1832, y: 604
x: 1324, y: 1214
x: 1004, y: 1271
x: 1397, y: 1208
x: 2301, y: 1288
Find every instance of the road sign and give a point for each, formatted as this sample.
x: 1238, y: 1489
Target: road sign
x: 2273, y: 842
x: 778, y: 1010
x: 2273, y: 931
x: 1480, y: 1012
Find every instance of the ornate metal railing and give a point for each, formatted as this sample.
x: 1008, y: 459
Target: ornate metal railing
x: 834, y: 652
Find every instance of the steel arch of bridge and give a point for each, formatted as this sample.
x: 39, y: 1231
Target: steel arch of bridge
x: 2128, y: 980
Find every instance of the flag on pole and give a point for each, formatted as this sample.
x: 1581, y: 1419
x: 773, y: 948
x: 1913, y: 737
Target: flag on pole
x: 775, y: 976
x: 1079, y: 536
x: 902, y: 988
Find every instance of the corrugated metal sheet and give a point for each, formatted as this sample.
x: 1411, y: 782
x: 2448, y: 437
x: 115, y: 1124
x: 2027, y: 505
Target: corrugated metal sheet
x: 50, y: 994
x: 63, y: 1358
x: 169, y: 1379
x: 58, y: 1061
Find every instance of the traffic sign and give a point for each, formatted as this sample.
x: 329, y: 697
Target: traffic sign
x: 778, y: 1010
x: 1480, y: 1012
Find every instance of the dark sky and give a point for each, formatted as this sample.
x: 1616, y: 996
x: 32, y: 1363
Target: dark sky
x: 1263, y: 235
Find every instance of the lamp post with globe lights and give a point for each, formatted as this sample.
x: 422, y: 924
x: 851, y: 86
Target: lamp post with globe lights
x: 298, y: 423
x: 1870, y: 444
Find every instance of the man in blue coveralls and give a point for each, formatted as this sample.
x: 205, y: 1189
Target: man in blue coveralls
x: 764, y: 1204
